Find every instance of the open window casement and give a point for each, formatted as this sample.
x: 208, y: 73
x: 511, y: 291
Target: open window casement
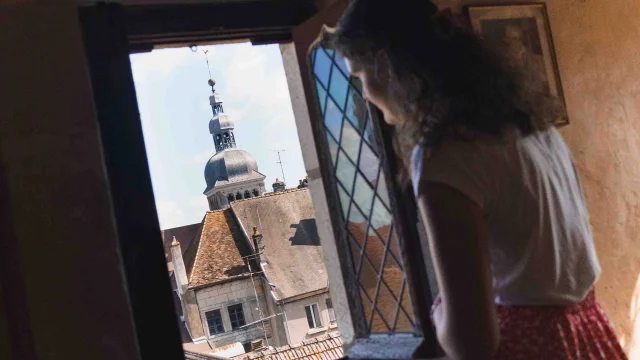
x: 375, y: 263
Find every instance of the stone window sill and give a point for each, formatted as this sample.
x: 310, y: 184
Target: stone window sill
x: 316, y: 331
x: 379, y: 346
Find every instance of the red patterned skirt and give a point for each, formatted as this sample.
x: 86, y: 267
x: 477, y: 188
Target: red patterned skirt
x: 574, y: 332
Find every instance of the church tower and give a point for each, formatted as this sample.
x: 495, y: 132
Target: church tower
x: 231, y: 174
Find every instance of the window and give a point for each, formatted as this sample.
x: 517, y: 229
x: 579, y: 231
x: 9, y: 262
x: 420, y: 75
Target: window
x: 238, y: 196
x: 255, y: 192
x: 236, y: 315
x: 313, y: 316
x: 332, y: 313
x: 247, y: 194
x: 365, y: 208
x: 214, y: 322
x: 230, y: 198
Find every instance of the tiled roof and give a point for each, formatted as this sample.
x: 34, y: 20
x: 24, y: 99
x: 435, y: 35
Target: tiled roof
x: 184, y: 235
x: 326, y: 347
x: 392, y: 275
x: 190, y: 355
x: 290, y: 238
x: 218, y: 254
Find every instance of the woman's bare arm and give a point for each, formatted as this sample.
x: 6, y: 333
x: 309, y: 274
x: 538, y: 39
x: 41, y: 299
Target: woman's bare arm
x: 466, y: 322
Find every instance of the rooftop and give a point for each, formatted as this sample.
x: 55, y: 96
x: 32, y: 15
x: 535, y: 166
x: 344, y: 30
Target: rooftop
x: 290, y: 239
x: 184, y: 235
x: 218, y: 255
x: 326, y: 347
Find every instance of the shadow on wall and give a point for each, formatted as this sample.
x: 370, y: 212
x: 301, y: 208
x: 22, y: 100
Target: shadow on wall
x: 306, y: 233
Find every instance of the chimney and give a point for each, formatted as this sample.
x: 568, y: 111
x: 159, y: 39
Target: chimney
x: 278, y: 186
x: 304, y: 183
x: 179, y: 271
x: 257, y: 244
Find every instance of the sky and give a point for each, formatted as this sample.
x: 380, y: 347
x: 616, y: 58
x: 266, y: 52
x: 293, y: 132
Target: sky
x: 173, y: 99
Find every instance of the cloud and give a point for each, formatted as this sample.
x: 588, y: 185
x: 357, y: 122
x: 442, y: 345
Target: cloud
x: 174, y: 214
x: 163, y: 63
x: 170, y: 214
x: 256, y: 84
x: 202, y: 157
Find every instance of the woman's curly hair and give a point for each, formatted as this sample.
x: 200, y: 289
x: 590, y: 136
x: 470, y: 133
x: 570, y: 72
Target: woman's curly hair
x: 451, y: 81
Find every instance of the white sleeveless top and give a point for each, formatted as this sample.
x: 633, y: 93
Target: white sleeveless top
x: 542, y: 250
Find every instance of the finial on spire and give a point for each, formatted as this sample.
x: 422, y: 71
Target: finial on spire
x: 212, y: 82
x: 175, y: 242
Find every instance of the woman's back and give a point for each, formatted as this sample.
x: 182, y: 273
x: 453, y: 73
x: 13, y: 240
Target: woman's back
x: 542, y: 251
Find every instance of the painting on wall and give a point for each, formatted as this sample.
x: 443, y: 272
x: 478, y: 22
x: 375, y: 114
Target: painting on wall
x: 521, y: 35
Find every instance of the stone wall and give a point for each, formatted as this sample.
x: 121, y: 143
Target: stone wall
x: 220, y: 297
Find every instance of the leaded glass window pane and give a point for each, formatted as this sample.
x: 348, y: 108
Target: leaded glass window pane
x: 364, y: 197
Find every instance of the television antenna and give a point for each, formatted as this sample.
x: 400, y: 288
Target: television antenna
x: 280, y: 162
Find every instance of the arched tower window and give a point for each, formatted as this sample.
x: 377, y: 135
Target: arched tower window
x: 230, y: 198
x: 256, y: 192
x: 238, y: 196
x: 247, y: 194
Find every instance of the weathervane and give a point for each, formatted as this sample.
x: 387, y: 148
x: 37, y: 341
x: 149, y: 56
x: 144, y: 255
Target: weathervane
x: 211, y: 82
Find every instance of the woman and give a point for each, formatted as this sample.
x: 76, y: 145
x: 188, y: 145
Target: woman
x: 508, y: 226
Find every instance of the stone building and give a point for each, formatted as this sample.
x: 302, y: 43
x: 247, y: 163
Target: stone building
x: 231, y: 174
x: 251, y: 274
x: 220, y: 301
x: 291, y: 261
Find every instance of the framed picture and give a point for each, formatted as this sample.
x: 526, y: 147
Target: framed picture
x: 521, y: 34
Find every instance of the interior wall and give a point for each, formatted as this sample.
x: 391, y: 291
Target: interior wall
x: 63, y: 288
x: 599, y: 61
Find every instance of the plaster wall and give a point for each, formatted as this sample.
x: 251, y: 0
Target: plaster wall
x: 297, y: 318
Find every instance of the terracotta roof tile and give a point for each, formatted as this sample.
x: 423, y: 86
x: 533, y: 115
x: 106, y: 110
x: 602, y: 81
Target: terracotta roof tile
x: 218, y: 256
x: 319, y: 348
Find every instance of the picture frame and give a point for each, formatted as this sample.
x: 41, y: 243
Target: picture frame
x: 522, y: 34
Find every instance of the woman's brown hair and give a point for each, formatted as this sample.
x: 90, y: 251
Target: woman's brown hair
x: 455, y: 82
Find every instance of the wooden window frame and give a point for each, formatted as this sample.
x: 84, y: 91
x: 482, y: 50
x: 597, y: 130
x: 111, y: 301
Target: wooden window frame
x: 244, y: 319
x: 221, y: 322
x: 111, y: 33
x: 313, y: 316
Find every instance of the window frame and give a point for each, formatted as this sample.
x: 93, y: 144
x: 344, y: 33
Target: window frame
x: 235, y: 313
x: 403, y: 205
x: 318, y: 324
x: 330, y: 311
x: 111, y: 33
x: 221, y: 322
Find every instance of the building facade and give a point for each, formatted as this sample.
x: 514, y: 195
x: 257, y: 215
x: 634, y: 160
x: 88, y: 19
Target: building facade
x: 221, y: 300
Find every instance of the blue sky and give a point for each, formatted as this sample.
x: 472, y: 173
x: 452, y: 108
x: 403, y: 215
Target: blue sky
x: 173, y: 98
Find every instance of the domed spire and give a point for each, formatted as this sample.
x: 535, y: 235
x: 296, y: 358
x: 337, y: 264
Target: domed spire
x: 220, y: 126
x: 231, y: 174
